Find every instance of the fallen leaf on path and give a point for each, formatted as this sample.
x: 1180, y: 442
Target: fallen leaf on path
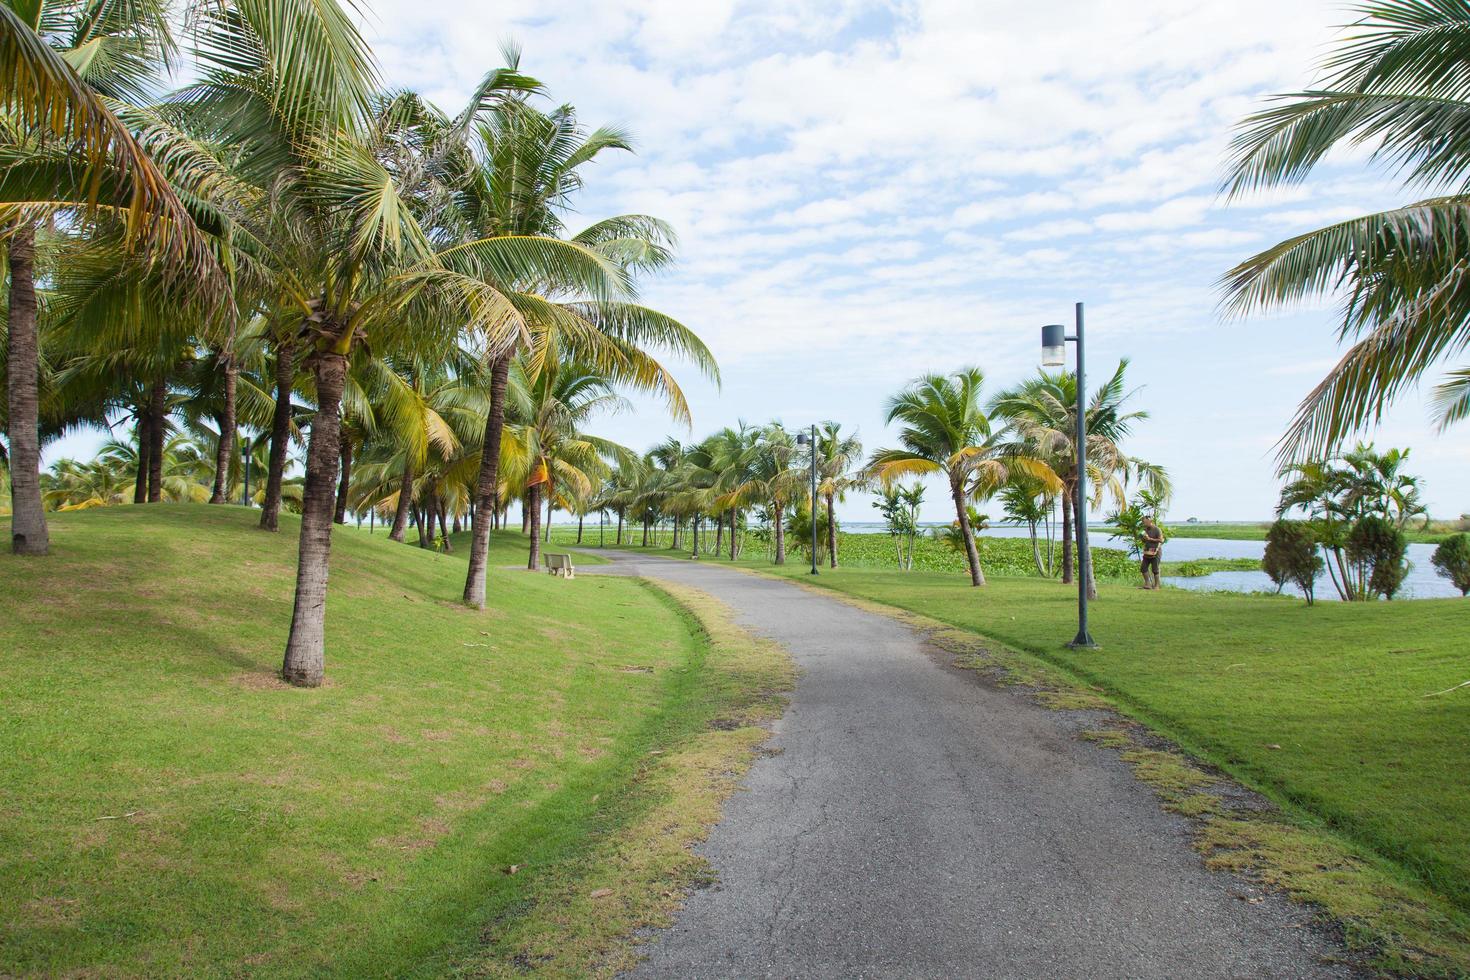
x: 601, y: 893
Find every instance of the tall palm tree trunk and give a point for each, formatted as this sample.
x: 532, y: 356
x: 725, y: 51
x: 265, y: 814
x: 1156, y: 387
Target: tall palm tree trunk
x: 831, y: 534
x: 1068, y: 491
x: 694, y: 533
x: 28, y: 533
x: 280, y: 434
x: 580, y: 518
x: 226, y: 447
x: 405, y: 501
x: 780, y: 535
x: 340, y: 517
x: 424, y: 516
x: 145, y: 445
x: 444, y: 531
x: 620, y: 525
x: 719, y: 534
x: 157, y: 401
x: 487, y: 491
x: 533, y: 511
x: 550, y: 503
x: 305, y: 661
x: 962, y: 514
x: 734, y: 533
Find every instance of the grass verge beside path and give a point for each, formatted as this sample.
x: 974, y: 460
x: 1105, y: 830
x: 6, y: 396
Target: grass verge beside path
x: 1320, y: 708
x: 167, y: 807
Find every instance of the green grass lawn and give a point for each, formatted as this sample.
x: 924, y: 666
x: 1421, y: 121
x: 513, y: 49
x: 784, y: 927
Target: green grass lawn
x: 1322, y: 707
x: 1435, y: 533
x: 167, y: 807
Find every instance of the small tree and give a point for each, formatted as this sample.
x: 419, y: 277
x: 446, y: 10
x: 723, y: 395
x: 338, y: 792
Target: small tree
x: 1291, y: 556
x: 1452, y: 560
x: 900, y: 509
x: 1379, y: 547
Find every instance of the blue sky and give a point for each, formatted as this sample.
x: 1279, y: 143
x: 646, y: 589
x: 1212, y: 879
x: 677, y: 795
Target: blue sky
x: 867, y: 191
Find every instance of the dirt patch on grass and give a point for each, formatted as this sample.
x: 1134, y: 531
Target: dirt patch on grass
x: 259, y: 680
x: 50, y: 912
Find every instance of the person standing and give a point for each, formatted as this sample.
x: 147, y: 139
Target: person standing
x: 1153, y: 549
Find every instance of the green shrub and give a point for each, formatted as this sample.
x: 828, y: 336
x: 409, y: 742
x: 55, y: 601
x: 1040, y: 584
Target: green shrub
x: 1452, y: 560
x: 1379, y: 547
x: 1291, y: 556
x: 998, y: 556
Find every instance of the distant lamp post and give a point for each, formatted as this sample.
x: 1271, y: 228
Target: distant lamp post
x: 245, y: 447
x: 1054, y: 354
x: 802, y: 439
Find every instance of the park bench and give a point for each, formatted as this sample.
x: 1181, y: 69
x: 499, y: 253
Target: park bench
x: 559, y: 565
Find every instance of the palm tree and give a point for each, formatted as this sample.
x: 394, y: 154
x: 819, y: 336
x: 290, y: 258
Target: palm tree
x: 1395, y: 84
x: 945, y: 430
x: 67, y: 66
x: 519, y: 172
x: 837, y: 456
x: 546, y: 437
x: 774, y: 480
x: 1041, y: 417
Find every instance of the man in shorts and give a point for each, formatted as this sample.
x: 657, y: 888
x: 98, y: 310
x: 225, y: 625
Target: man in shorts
x: 1153, y: 549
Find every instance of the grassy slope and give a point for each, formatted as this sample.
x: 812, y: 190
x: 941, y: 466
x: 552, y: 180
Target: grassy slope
x: 167, y: 807
x: 1322, y: 707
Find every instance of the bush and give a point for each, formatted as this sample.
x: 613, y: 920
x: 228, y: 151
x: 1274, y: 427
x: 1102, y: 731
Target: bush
x: 1452, y: 560
x: 1379, y: 547
x: 1291, y: 556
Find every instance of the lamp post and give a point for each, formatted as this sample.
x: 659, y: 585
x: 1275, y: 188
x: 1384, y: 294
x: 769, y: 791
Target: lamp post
x: 1054, y: 354
x: 802, y: 439
x: 245, y: 445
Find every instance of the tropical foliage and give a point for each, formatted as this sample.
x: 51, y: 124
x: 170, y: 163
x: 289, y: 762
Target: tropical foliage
x: 1451, y: 559
x: 1365, y: 489
x: 281, y: 253
x: 1397, y: 87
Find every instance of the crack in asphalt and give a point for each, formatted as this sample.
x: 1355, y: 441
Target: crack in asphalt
x: 916, y: 822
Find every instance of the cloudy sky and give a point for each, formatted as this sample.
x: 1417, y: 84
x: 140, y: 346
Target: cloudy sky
x: 868, y: 191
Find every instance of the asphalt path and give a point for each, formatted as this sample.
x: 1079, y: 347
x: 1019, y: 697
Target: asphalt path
x: 910, y: 820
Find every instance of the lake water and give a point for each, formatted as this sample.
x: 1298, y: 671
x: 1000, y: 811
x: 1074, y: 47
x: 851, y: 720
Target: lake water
x: 1422, y: 583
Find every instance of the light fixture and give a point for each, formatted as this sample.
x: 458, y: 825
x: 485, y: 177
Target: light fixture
x: 1053, y: 345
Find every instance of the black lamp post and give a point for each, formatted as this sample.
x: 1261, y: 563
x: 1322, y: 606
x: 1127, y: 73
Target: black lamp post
x: 802, y: 439
x: 1054, y: 354
x: 245, y: 446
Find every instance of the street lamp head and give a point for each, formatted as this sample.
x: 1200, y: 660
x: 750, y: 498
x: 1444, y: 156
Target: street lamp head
x: 1053, y: 345
x: 802, y: 439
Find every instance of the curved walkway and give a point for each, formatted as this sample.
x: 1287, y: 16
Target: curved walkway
x: 911, y: 821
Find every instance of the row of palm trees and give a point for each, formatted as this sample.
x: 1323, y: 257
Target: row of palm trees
x: 280, y: 244
x: 725, y: 480
x: 1019, y: 444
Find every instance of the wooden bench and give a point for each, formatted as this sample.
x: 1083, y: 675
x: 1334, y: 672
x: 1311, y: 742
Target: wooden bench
x: 559, y: 565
